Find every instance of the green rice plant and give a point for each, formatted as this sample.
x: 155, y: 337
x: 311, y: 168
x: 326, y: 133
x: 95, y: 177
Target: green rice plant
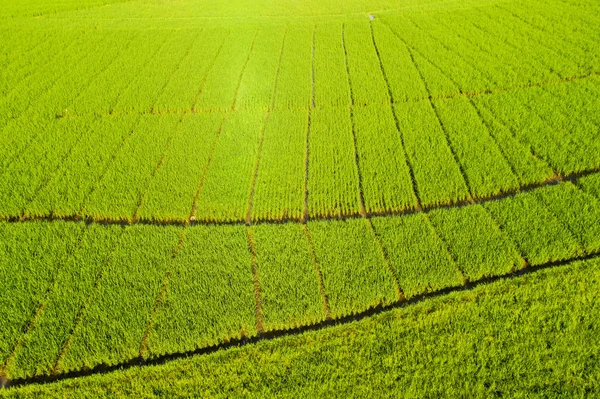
x: 354, y: 271
x: 73, y: 283
x: 386, y: 179
x: 576, y: 209
x: 437, y: 176
x: 486, y: 169
x: 31, y: 255
x: 187, y: 82
x: 404, y: 80
x: 540, y: 235
x: 117, y: 194
x: 528, y: 168
x: 27, y: 93
x: 223, y: 79
x: 143, y: 92
x: 579, y: 96
x: 259, y: 80
x: 417, y: 254
x: 452, y: 60
x: 289, y: 283
x: 565, y: 153
x: 543, y: 55
x: 113, y: 321
x: 225, y: 193
x: 171, y: 192
x: 280, y: 183
x: 366, y: 78
x: 209, y: 297
x: 480, y: 248
x: 102, y: 95
x: 591, y: 184
x: 294, y: 83
x: 438, y: 82
x: 18, y: 135
x: 65, y: 193
x: 332, y: 174
x: 331, y: 86
x: 21, y: 180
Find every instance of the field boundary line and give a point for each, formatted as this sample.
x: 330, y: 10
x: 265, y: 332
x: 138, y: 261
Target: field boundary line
x: 262, y: 135
x: 103, y: 369
x: 322, y: 290
x: 161, y: 294
x: 554, y: 180
x: 361, y: 196
x: 308, y: 128
x: 386, y: 259
x: 410, y: 50
x: 163, y: 159
x: 194, y: 110
x: 83, y: 308
x: 474, y: 94
x: 415, y: 189
x: 455, y: 83
x: 255, y: 282
x: 50, y: 288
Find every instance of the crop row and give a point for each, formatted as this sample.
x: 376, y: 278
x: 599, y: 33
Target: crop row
x: 226, y: 165
x: 76, y: 296
x: 470, y: 51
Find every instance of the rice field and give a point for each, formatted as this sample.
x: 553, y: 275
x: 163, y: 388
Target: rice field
x: 192, y: 178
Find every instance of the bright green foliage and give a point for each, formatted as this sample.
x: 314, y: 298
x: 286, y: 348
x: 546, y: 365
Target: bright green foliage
x: 330, y: 76
x: 59, y: 99
x: 21, y: 180
x: 289, y: 285
x: 73, y: 283
x: 577, y: 209
x: 591, y: 184
x: 527, y: 167
x: 226, y: 190
x: 486, y: 170
x: 476, y: 242
x: 332, y: 174
x: 417, y: 255
x: 26, y: 94
x: 171, y: 192
x: 437, y: 176
x: 444, y: 66
x: 101, y: 95
x: 30, y: 256
x: 280, y: 183
x: 540, y: 235
x: 210, y: 296
x: 188, y: 80
x: 118, y: 193
x: 142, y: 93
x: 65, y: 194
x: 294, y: 83
x: 565, y: 153
x: 483, y: 341
x: 355, y: 273
x: 366, y: 78
x: 223, y: 79
x: 581, y: 97
x: 393, y: 189
x: 258, y: 83
x: 403, y: 78
x: 116, y: 314
x: 18, y: 135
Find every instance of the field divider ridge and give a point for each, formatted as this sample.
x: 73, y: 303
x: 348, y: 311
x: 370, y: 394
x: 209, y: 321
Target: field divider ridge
x: 308, y: 127
x: 274, y: 334
x: 456, y: 204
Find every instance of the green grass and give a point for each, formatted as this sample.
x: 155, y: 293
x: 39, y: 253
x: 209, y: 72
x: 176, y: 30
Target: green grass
x: 180, y: 175
x: 484, y: 341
